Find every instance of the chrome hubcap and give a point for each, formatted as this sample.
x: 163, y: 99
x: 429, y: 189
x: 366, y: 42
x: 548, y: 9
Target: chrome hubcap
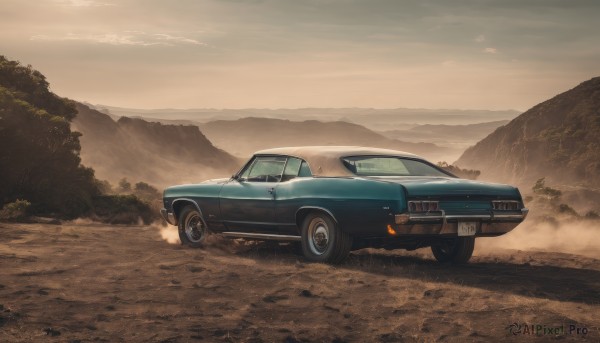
x: 194, y: 228
x: 318, y: 233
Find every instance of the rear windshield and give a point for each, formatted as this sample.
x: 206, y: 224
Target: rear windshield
x: 390, y: 166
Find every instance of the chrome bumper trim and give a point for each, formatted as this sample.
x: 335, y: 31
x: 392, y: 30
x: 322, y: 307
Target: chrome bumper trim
x: 168, y: 216
x: 434, y: 223
x: 262, y: 236
x: 493, y: 216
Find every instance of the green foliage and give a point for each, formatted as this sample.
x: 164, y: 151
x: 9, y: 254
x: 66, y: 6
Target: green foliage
x: 541, y: 189
x: 39, y: 155
x: 31, y: 87
x: 123, y: 209
x: 124, y: 185
x: 15, y: 210
x: 146, y: 192
x: 571, y: 147
x: 471, y: 174
x: 104, y: 187
x: 144, y: 187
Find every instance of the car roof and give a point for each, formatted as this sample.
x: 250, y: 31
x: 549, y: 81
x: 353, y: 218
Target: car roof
x: 326, y: 160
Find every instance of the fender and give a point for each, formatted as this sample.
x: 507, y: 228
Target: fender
x: 193, y: 202
x: 315, y: 208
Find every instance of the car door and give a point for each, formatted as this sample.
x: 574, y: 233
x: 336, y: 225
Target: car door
x: 248, y: 200
x: 289, y: 195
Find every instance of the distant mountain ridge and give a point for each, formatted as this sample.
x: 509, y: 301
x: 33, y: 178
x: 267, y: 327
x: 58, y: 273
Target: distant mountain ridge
x: 458, y: 136
x: 140, y: 150
x: 372, y: 118
x: 558, y: 139
x: 242, y: 137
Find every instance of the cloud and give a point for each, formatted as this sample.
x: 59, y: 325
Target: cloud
x: 108, y: 38
x: 490, y: 50
x: 480, y: 39
x: 82, y: 3
x: 177, y: 39
x: 138, y: 38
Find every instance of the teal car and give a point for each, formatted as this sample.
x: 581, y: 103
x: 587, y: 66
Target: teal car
x: 336, y: 199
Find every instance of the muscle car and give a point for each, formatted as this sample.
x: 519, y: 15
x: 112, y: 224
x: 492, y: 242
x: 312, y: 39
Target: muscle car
x: 331, y: 200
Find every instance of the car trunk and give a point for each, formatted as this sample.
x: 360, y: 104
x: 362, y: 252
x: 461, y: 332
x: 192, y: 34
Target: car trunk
x: 452, y: 188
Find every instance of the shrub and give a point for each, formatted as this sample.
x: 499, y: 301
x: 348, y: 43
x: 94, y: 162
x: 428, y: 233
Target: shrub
x: 146, y: 192
x: 15, y: 210
x: 122, y: 209
x: 124, y: 185
x: 471, y: 174
x: 592, y: 215
x: 564, y: 208
x: 541, y: 189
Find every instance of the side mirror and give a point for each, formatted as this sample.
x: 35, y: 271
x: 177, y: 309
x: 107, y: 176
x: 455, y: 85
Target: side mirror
x: 235, y: 177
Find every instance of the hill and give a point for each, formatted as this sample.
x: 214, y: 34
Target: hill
x: 39, y: 154
x: 262, y: 133
x: 140, y: 150
x: 456, y: 136
x: 558, y: 139
x: 372, y: 118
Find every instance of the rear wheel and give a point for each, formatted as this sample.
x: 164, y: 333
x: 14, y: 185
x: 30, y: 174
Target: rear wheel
x: 323, y: 240
x: 192, y: 229
x: 457, y: 250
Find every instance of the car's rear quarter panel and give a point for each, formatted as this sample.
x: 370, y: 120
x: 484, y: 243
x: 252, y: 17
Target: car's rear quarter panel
x: 361, y: 207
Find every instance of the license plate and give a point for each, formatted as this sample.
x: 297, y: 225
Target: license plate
x: 467, y: 228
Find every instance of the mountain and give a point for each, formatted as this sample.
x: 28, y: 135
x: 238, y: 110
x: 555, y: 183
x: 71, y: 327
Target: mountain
x: 244, y: 136
x: 146, y: 151
x: 372, y: 118
x: 558, y: 139
x: 457, y: 136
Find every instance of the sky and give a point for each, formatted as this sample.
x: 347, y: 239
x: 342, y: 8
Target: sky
x: 463, y: 54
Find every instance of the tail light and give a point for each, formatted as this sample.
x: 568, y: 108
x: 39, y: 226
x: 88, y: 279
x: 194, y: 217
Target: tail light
x: 423, y: 206
x: 505, y: 205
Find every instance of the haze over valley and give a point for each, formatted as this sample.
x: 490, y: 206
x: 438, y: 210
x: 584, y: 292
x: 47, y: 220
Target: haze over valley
x: 439, y: 135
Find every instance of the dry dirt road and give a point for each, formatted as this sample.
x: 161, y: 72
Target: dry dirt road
x: 84, y: 283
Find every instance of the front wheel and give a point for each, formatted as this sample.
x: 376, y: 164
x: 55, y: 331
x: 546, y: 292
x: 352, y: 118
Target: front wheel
x: 323, y: 240
x: 457, y: 250
x: 192, y: 229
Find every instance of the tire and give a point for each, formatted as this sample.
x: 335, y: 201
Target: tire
x: 323, y: 240
x: 456, y: 251
x: 192, y: 229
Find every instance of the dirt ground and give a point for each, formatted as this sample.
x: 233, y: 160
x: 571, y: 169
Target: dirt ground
x: 83, y: 283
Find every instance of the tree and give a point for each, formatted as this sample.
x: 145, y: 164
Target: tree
x: 39, y: 154
x: 124, y: 186
x: 541, y: 189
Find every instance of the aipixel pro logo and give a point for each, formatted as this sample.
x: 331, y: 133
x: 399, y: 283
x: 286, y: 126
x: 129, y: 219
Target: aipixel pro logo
x: 516, y: 329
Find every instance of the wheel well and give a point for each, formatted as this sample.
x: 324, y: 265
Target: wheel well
x: 303, y: 212
x: 179, y: 205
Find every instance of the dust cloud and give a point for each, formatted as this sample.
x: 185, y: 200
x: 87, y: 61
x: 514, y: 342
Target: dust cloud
x: 565, y: 235
x: 168, y: 233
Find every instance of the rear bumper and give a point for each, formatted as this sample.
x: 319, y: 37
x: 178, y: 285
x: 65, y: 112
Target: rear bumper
x: 168, y: 216
x: 493, y: 223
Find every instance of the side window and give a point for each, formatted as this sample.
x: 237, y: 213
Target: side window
x: 291, y: 168
x: 304, y: 170
x: 295, y: 167
x: 265, y: 169
x: 244, y: 174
